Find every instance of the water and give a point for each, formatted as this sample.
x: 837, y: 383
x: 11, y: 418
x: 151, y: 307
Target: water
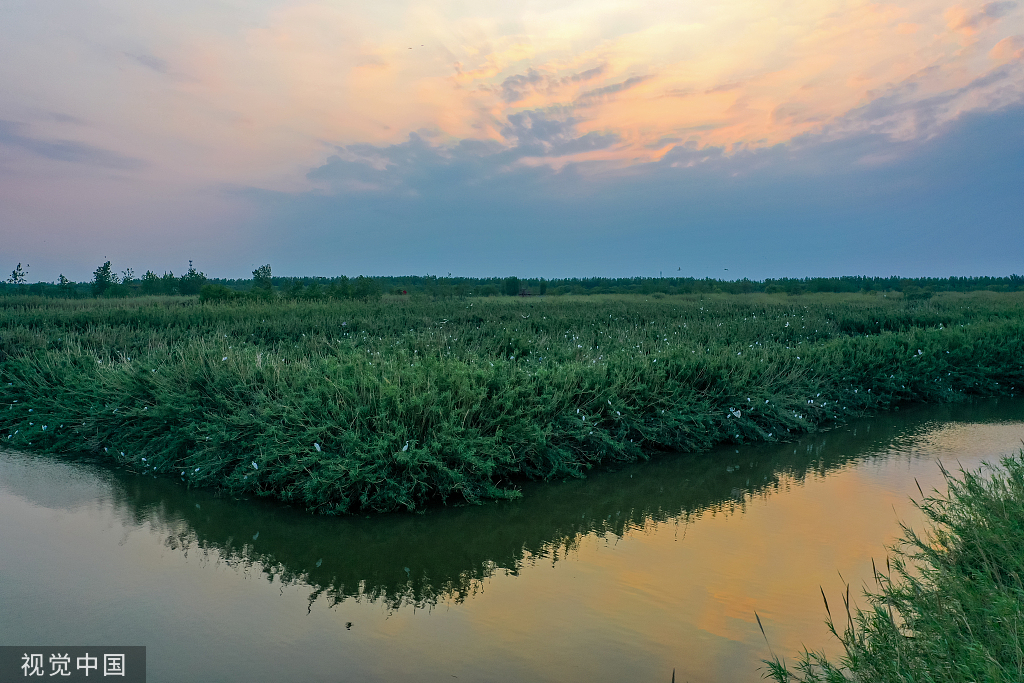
x: 624, y: 576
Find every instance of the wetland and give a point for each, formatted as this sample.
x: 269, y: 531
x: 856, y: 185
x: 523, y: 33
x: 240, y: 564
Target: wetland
x: 625, y: 575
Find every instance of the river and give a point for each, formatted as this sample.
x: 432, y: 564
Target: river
x: 623, y: 576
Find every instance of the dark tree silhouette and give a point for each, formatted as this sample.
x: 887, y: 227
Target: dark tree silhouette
x: 17, y: 276
x: 102, y: 279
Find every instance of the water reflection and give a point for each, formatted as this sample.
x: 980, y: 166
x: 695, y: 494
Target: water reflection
x: 445, y: 555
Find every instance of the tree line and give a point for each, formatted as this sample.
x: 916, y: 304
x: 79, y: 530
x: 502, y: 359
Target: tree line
x: 264, y: 284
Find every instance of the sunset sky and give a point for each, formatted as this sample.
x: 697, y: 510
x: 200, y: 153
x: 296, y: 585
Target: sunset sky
x: 555, y: 139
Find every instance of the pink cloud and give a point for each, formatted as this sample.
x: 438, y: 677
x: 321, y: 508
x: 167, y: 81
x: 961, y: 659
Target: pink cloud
x: 969, y: 22
x: 1007, y: 49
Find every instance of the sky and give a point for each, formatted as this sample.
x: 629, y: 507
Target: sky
x: 564, y: 138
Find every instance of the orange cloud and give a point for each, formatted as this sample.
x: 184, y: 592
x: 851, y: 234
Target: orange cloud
x: 266, y: 100
x: 1007, y: 49
x: 970, y: 21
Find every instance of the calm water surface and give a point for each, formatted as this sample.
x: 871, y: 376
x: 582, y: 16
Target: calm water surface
x: 621, y: 577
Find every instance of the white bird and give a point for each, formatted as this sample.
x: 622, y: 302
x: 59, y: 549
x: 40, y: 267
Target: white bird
x: 254, y: 465
x: 405, y: 447
x: 317, y: 447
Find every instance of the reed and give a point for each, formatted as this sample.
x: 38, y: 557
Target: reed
x: 950, y: 604
x: 393, y: 403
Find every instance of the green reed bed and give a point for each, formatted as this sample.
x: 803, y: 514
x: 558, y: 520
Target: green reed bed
x: 394, y: 403
x: 949, y: 606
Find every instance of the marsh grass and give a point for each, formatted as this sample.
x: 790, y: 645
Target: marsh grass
x: 391, y: 404
x: 950, y: 604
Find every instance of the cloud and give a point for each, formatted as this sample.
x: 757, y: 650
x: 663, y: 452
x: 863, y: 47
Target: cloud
x: 603, y: 92
x: 516, y: 87
x: 724, y: 87
x: 410, y: 167
x: 794, y: 112
x: 65, y: 150
x: 901, y: 115
x: 530, y: 127
x: 1009, y: 48
x: 819, y: 206
x: 422, y: 165
x: 63, y: 118
x: 149, y: 61
x: 963, y: 20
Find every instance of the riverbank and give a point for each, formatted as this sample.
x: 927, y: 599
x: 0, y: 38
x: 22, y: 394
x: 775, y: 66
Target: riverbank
x: 393, y: 404
x: 948, y: 606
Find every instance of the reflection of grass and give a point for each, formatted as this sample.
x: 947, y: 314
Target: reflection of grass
x: 950, y: 607
x: 450, y: 551
x: 390, y: 404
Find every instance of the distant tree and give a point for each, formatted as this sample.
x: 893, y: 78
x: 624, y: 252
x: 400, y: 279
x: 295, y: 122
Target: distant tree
x: 169, y: 283
x: 338, y: 289
x: 103, y: 278
x: 17, y: 276
x: 262, y: 278
x: 295, y: 289
x: 191, y: 282
x: 150, y: 283
x: 511, y: 286
x: 127, y: 275
x: 366, y: 288
x: 543, y: 287
x: 66, y: 286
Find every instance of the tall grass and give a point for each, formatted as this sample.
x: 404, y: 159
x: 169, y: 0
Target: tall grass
x: 950, y: 605
x: 391, y: 404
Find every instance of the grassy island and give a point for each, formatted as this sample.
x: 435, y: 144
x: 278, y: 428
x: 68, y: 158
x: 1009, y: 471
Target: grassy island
x: 397, y: 402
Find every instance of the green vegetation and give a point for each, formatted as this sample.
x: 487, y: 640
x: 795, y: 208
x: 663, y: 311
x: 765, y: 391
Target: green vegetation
x: 392, y: 402
x: 950, y: 606
x: 265, y: 285
x: 450, y: 554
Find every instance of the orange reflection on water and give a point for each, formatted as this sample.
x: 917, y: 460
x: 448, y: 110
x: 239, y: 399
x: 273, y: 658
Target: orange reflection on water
x: 684, y: 592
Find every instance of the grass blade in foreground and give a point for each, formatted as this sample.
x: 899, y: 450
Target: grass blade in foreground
x: 952, y: 608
